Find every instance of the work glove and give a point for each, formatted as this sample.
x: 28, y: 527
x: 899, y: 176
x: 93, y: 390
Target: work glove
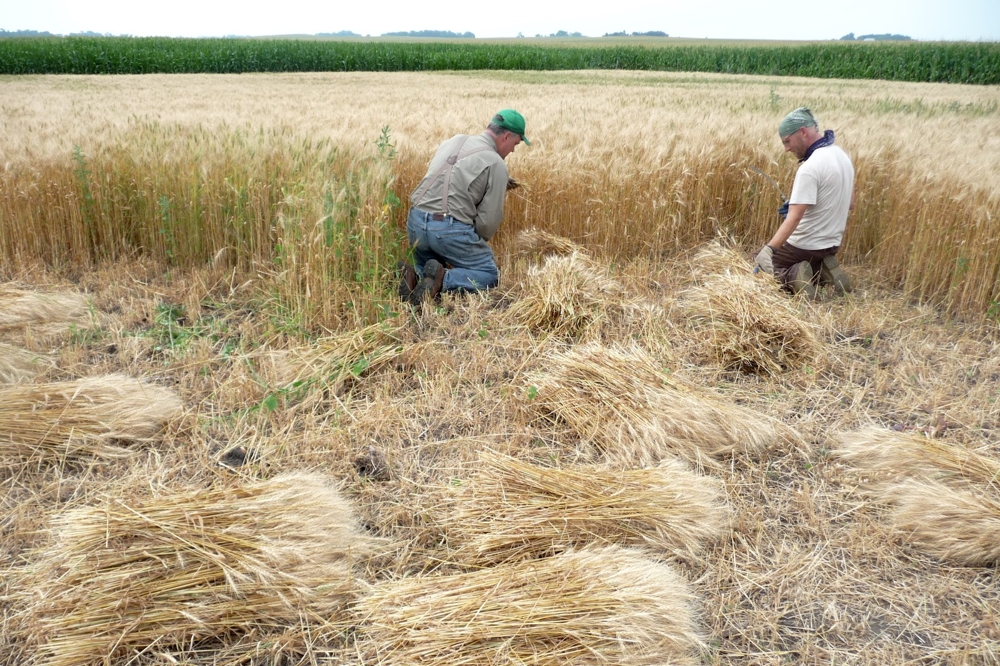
x: 783, y: 210
x: 763, y: 260
x: 512, y: 184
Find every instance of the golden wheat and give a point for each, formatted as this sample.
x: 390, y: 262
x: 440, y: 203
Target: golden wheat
x: 594, y: 606
x: 516, y: 510
x: 190, y: 566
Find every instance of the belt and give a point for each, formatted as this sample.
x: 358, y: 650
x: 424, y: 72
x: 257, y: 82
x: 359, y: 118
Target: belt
x: 441, y: 217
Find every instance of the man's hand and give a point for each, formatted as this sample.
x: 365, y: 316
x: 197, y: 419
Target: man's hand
x: 763, y: 260
x: 783, y: 210
x: 512, y: 184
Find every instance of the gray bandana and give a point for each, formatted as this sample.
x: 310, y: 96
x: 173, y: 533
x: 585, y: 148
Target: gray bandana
x: 796, y: 120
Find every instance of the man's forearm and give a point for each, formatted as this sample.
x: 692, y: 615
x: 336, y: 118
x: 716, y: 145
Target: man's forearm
x: 795, y: 213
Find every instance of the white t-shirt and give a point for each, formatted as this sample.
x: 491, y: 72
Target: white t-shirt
x: 825, y: 182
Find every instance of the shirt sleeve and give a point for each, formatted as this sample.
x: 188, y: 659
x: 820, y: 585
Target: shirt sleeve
x: 804, y: 188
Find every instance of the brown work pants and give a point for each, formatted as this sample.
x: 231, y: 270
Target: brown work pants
x: 788, y: 255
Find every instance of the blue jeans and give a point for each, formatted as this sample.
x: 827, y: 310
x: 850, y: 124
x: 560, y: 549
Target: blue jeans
x: 454, y: 242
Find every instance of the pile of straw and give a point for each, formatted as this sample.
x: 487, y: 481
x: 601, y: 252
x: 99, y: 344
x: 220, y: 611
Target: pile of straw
x: 331, y: 362
x: 566, y: 296
x: 604, y: 605
x: 620, y: 399
x: 19, y: 365
x: 538, y: 243
x: 81, y: 418
x: 201, y: 565
x: 25, y: 308
x: 885, y: 456
x: 952, y: 524
x: 513, y: 510
x: 747, y: 323
x: 945, y: 499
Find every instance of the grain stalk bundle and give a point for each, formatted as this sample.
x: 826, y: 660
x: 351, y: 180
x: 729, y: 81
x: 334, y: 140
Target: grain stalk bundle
x: 512, y: 510
x: 198, y: 566
x: 620, y: 399
x: 538, y: 243
x: 885, y: 456
x: 56, y: 311
x: 748, y: 323
x: 19, y: 365
x: 330, y: 362
x: 945, y: 499
x: 566, y: 296
x: 952, y: 524
x: 82, y: 418
x: 607, y: 605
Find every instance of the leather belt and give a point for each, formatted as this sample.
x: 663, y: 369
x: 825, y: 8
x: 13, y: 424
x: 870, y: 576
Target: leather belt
x: 438, y: 217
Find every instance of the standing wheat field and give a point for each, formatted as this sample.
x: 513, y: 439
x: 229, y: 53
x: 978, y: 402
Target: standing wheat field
x: 670, y: 461
x: 185, y: 167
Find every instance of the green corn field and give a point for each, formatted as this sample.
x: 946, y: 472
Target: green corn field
x: 964, y: 62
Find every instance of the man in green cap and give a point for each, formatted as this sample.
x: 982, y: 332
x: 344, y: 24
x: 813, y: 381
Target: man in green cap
x: 457, y: 208
x: 802, y: 252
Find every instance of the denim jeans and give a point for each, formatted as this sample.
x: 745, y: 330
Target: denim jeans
x: 454, y: 242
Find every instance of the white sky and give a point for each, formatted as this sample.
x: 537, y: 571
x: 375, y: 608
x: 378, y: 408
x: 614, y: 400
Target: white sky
x: 720, y: 19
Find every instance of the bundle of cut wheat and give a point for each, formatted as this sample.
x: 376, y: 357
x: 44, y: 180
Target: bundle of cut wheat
x: 538, y: 243
x: 749, y: 325
x: 19, y: 365
x: 634, y: 412
x: 884, y: 456
x: 330, y: 362
x: 86, y: 417
x: 960, y: 525
x: 25, y: 308
x: 127, y: 577
x: 514, y: 510
x: 566, y: 296
x: 604, y: 605
x: 716, y: 258
x: 945, y: 498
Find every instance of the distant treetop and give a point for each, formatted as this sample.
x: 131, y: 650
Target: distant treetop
x: 651, y: 33
x: 24, y: 33
x: 430, y: 33
x: 878, y: 38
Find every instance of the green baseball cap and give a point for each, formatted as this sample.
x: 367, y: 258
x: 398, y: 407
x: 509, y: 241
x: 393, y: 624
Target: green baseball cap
x: 512, y: 121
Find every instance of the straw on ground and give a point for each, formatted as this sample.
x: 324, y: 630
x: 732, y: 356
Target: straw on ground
x: 512, y: 510
x: 180, y: 568
x: 567, y: 296
x: 20, y: 365
x: 605, y: 605
x: 882, y: 456
x: 23, y: 308
x: 82, y: 418
x: 945, y: 499
x: 952, y: 524
x: 635, y: 412
x: 747, y: 323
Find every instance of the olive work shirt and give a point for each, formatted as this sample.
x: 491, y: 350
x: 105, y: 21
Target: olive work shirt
x: 476, y: 185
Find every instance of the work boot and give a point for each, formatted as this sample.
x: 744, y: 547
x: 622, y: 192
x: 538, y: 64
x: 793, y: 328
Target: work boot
x: 831, y: 273
x: 407, y: 279
x: 430, y: 284
x: 800, y: 278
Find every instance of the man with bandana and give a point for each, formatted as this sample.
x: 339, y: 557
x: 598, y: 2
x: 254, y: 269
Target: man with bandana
x: 457, y: 208
x: 802, y: 252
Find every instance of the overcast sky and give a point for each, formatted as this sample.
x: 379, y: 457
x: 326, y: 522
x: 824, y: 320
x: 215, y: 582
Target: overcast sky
x: 721, y: 19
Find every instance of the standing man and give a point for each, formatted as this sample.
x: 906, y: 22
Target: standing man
x: 803, y: 250
x: 457, y: 208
